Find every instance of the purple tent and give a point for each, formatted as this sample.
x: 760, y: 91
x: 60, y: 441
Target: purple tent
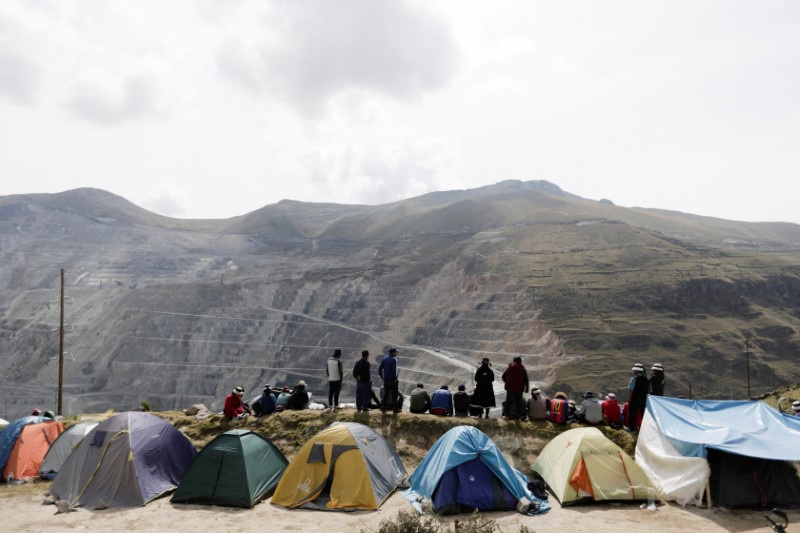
x: 126, y: 461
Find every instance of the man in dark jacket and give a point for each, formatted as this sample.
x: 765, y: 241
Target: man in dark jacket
x: 299, y: 398
x: 461, y: 401
x: 363, y: 382
x: 516, y: 382
x: 657, y: 380
x: 637, y: 395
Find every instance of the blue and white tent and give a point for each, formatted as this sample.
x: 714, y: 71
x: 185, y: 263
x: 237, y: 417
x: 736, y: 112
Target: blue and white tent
x: 738, y: 449
x: 464, y: 471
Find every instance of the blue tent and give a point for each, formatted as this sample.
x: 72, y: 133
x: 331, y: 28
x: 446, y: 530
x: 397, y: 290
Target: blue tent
x: 737, y: 449
x: 8, y: 436
x: 464, y: 471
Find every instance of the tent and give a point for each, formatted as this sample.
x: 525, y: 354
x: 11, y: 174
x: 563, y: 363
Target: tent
x: 582, y: 465
x: 125, y: 461
x: 737, y: 449
x: 62, y: 447
x: 237, y: 468
x: 346, y: 466
x: 29, y: 442
x: 463, y: 471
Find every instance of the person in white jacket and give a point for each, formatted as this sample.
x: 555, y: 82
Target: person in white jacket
x: 334, y: 373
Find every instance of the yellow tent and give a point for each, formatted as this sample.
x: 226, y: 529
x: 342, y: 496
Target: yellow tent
x: 346, y: 466
x: 583, y: 465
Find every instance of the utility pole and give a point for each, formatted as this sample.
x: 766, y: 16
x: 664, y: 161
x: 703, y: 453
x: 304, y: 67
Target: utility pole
x: 61, y: 348
x: 747, y: 355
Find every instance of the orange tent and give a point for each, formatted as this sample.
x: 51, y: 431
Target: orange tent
x: 31, y: 446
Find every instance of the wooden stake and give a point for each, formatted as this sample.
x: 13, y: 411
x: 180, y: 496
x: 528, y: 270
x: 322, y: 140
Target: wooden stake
x: 708, y: 494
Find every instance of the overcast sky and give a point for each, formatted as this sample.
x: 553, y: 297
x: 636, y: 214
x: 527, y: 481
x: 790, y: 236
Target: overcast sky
x: 208, y: 109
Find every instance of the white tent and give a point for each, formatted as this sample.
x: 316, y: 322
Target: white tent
x: 63, y: 446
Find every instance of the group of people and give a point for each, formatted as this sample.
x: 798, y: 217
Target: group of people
x: 271, y: 400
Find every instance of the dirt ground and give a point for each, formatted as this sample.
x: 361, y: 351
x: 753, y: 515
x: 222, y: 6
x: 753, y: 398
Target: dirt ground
x: 21, y: 510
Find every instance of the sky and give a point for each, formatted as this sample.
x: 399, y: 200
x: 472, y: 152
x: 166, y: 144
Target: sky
x: 208, y: 109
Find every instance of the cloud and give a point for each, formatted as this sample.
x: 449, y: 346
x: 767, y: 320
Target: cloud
x: 166, y: 199
x: 20, y: 78
x: 317, y: 49
x: 134, y: 98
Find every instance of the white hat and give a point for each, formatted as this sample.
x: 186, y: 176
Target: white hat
x: 658, y: 366
x: 638, y: 367
x: 611, y: 396
x: 301, y: 383
x: 796, y: 405
x: 535, y: 390
x: 238, y: 391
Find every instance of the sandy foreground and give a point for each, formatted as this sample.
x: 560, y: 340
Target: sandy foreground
x: 21, y: 509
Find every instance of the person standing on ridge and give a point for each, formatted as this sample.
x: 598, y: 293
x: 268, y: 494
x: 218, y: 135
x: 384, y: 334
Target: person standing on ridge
x: 637, y: 395
x: 334, y: 372
x: 657, y: 380
x: 516, y: 380
x: 388, y: 373
x: 363, y: 382
x: 483, y: 396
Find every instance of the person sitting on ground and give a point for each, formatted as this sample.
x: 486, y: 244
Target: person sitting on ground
x: 375, y: 401
x: 442, y: 402
x: 611, y: 411
x: 590, y: 411
x: 283, y: 398
x: 559, y: 409
x: 572, y: 416
x: 266, y: 405
x: 537, y: 405
x: 461, y: 401
x: 420, y: 401
x: 299, y: 398
x: 35, y: 412
x: 234, y: 408
x: 49, y: 414
x: 796, y: 407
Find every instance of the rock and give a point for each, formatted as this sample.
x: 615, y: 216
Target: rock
x: 194, y: 409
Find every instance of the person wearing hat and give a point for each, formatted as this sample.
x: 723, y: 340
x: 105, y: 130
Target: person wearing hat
x: 611, y: 411
x: 388, y: 373
x: 483, y: 395
x: 234, y: 408
x: 537, y: 405
x: 657, y: 380
x: 266, y: 405
x: 299, y: 398
x: 796, y: 407
x: 334, y: 372
x: 35, y: 412
x: 283, y: 398
x: 637, y: 396
x: 516, y: 382
x: 590, y: 411
x: 363, y: 382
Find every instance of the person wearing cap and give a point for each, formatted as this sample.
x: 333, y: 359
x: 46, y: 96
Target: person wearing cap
x: 234, y: 408
x: 299, y: 398
x: 36, y: 412
x: 266, y: 405
x: 657, y: 380
x: 483, y: 395
x: 637, y: 396
x: 388, y: 373
x: 516, y: 382
x: 283, y: 398
x: 420, y: 401
x: 537, y: 405
x: 611, y: 412
x: 461, y: 401
x: 590, y: 411
x: 442, y: 402
x: 363, y: 382
x: 334, y: 372
x: 796, y: 407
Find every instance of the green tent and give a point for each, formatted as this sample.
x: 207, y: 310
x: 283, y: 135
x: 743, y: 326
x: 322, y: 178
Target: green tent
x: 237, y: 469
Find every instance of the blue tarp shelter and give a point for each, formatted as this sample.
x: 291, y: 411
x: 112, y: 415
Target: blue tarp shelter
x: 463, y: 471
x: 8, y: 436
x: 734, y: 448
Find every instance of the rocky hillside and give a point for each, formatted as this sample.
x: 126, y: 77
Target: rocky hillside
x: 179, y: 311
